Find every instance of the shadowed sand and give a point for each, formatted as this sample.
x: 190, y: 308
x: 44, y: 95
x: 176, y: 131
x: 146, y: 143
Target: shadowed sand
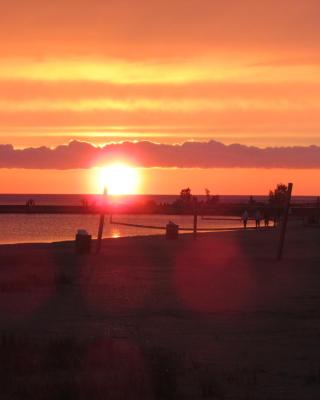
x: 215, y: 317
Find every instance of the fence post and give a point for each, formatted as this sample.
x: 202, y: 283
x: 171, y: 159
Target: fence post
x: 285, y: 222
x: 195, y: 220
x: 101, y: 223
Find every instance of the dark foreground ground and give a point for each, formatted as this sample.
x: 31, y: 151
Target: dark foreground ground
x: 214, y: 318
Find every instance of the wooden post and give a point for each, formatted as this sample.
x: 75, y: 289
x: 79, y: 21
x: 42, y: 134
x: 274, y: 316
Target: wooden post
x: 285, y: 222
x: 101, y: 223
x: 195, y: 220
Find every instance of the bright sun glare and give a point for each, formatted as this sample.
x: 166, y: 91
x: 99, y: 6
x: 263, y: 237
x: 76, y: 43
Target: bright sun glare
x: 120, y: 179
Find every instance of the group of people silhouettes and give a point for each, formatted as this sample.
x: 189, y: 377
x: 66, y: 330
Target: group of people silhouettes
x: 258, y: 217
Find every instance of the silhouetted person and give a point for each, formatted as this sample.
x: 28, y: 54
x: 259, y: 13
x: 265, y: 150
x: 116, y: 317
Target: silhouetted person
x: 277, y: 217
x: 257, y: 217
x: 266, y: 217
x: 245, y: 217
x: 30, y: 203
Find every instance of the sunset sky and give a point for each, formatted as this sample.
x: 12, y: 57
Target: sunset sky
x: 162, y: 72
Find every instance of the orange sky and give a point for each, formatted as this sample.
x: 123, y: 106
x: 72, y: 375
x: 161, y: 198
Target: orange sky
x: 159, y: 180
x: 167, y: 71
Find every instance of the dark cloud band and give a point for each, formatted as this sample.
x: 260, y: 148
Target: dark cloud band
x: 210, y: 154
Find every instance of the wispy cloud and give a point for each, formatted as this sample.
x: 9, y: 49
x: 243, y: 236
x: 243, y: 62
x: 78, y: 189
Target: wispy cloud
x: 223, y: 65
x: 159, y: 105
x: 242, y: 68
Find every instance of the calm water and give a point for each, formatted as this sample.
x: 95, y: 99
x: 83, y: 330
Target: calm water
x: 76, y: 199
x: 20, y: 228
x: 26, y: 228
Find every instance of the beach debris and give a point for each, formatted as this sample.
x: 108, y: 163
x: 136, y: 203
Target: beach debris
x: 83, y: 242
x: 172, y: 231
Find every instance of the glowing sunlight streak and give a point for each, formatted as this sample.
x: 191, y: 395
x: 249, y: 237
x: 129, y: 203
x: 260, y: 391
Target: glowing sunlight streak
x: 174, y: 72
x: 168, y: 104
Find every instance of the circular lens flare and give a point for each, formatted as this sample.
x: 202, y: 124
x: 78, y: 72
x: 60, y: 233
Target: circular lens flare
x: 120, y: 179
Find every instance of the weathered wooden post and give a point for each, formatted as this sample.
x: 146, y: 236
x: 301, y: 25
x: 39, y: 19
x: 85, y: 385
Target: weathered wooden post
x: 195, y: 218
x: 285, y: 221
x: 101, y: 223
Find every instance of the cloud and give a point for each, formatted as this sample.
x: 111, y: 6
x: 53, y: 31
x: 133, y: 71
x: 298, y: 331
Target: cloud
x: 222, y: 90
x: 231, y: 65
x: 147, y: 154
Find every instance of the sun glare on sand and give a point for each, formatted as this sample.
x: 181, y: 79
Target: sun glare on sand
x: 120, y: 179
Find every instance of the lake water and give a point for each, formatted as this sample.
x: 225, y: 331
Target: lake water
x: 27, y: 228
x: 30, y: 228
x: 76, y: 199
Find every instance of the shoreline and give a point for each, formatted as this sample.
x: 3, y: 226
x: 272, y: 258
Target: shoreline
x: 182, y: 232
x: 222, y: 209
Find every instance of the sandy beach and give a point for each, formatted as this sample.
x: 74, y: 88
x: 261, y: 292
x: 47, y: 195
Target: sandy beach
x: 216, y: 317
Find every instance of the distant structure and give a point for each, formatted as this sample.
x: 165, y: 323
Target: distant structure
x: 30, y: 203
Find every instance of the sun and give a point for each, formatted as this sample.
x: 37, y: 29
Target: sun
x: 120, y: 179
